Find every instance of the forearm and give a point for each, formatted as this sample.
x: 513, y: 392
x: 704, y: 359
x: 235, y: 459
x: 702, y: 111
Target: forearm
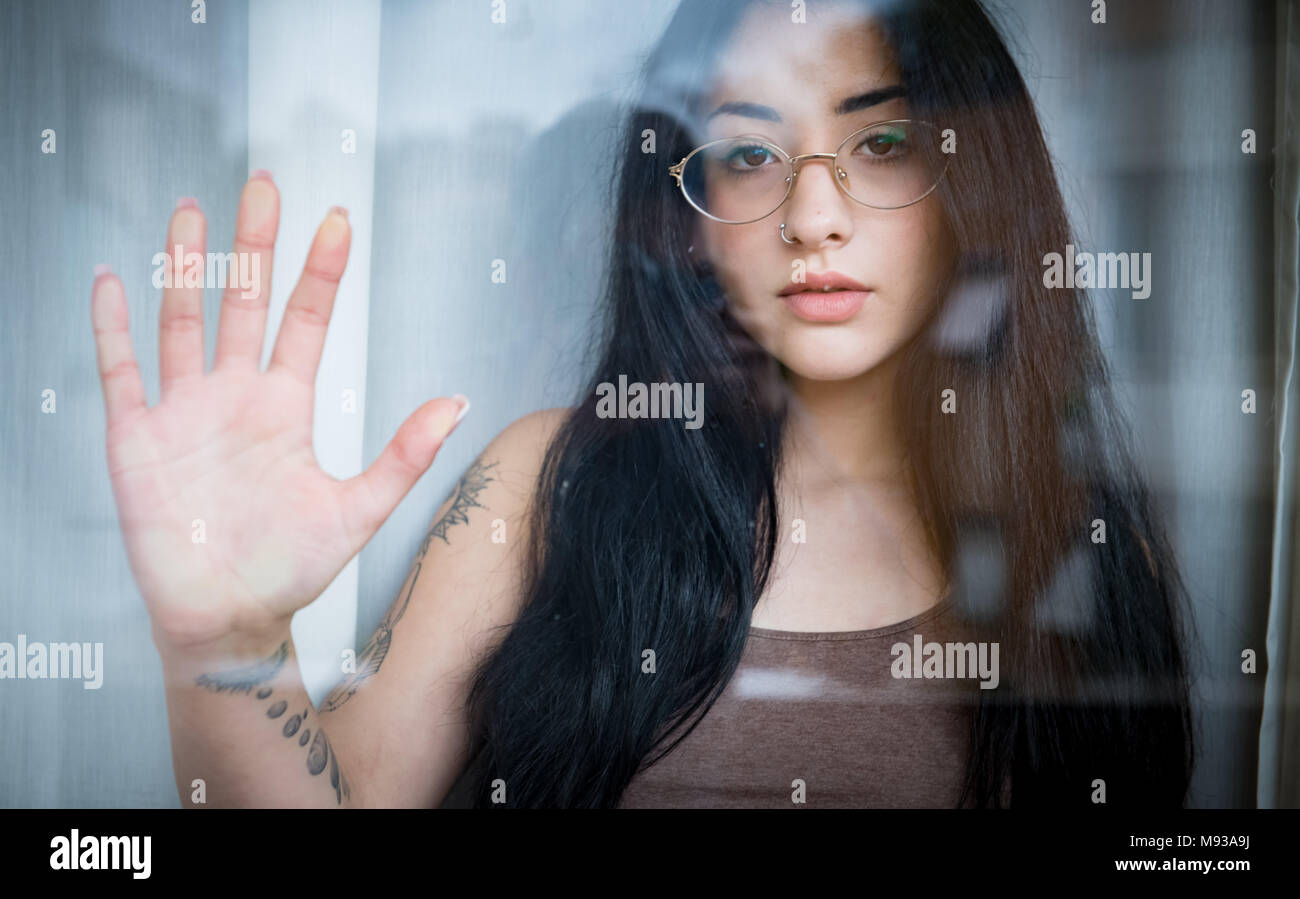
x: 243, y: 729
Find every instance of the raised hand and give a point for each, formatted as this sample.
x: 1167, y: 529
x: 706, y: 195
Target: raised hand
x: 230, y: 524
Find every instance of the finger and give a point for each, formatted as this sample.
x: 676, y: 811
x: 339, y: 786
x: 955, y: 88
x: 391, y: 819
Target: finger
x: 180, y: 330
x: 241, y: 329
x: 119, y: 375
x: 301, y: 339
x: 370, y: 497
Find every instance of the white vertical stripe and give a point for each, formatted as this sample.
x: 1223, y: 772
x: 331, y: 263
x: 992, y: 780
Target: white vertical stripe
x: 313, y: 71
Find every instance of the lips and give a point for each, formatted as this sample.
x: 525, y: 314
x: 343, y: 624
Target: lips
x: 827, y: 297
x: 823, y: 282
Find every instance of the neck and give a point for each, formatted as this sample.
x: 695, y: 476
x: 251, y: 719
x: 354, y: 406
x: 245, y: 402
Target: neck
x: 846, y: 429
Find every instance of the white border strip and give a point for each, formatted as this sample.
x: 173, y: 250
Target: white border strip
x: 313, y: 71
x: 1276, y: 742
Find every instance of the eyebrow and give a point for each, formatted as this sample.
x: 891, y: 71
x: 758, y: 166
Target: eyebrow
x: 845, y: 106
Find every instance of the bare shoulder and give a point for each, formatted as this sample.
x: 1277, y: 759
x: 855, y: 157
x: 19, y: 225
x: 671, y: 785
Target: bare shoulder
x: 517, y: 451
x: 504, y: 475
x: 479, y: 534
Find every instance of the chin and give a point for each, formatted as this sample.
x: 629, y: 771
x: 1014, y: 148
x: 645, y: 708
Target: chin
x: 842, y: 356
x: 829, y: 369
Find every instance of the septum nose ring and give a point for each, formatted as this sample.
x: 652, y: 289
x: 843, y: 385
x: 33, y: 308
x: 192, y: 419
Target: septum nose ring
x: 786, y: 239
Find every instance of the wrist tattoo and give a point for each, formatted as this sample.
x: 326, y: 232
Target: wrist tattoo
x: 243, y: 680
x: 320, y: 755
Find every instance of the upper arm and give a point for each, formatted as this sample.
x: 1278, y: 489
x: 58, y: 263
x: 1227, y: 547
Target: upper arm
x: 400, y: 723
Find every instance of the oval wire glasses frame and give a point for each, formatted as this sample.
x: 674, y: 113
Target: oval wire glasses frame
x: 675, y: 171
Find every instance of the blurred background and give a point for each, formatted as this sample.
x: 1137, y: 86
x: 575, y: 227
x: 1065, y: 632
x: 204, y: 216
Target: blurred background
x: 455, y: 141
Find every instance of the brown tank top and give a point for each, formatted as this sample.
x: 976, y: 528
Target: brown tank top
x: 825, y: 709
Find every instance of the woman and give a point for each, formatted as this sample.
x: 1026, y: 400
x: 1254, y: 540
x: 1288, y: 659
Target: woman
x: 580, y: 615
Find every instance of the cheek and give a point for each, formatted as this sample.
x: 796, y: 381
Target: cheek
x: 912, y: 255
x: 914, y: 252
x: 744, y: 262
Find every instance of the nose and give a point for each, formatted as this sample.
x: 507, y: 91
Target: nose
x: 817, y: 210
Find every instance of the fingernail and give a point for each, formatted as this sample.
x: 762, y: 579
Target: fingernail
x: 464, y: 406
x: 340, y: 210
x: 463, y: 402
x: 261, y: 173
x: 103, y: 269
x: 442, y: 424
x: 186, y: 202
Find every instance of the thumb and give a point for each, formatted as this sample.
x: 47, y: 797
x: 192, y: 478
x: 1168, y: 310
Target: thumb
x: 370, y: 497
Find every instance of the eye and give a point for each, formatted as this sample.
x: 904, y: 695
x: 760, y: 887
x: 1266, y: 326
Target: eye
x: 886, y: 142
x: 750, y: 156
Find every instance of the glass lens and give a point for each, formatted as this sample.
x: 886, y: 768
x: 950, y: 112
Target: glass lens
x: 738, y: 179
x: 891, y: 164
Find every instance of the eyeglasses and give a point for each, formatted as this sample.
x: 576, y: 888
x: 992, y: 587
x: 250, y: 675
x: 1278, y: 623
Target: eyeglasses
x: 887, y: 165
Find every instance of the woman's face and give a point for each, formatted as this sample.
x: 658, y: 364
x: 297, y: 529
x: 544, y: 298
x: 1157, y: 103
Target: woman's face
x: 784, y: 81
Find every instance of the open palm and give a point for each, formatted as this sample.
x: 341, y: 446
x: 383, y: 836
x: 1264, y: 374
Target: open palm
x: 230, y: 524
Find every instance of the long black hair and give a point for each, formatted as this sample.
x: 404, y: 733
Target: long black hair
x: 651, y: 536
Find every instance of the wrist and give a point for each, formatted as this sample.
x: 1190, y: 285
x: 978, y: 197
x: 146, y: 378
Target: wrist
x: 233, y: 647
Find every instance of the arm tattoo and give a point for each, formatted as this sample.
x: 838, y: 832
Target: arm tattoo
x: 464, y: 497
x: 319, y: 754
x: 243, y: 680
